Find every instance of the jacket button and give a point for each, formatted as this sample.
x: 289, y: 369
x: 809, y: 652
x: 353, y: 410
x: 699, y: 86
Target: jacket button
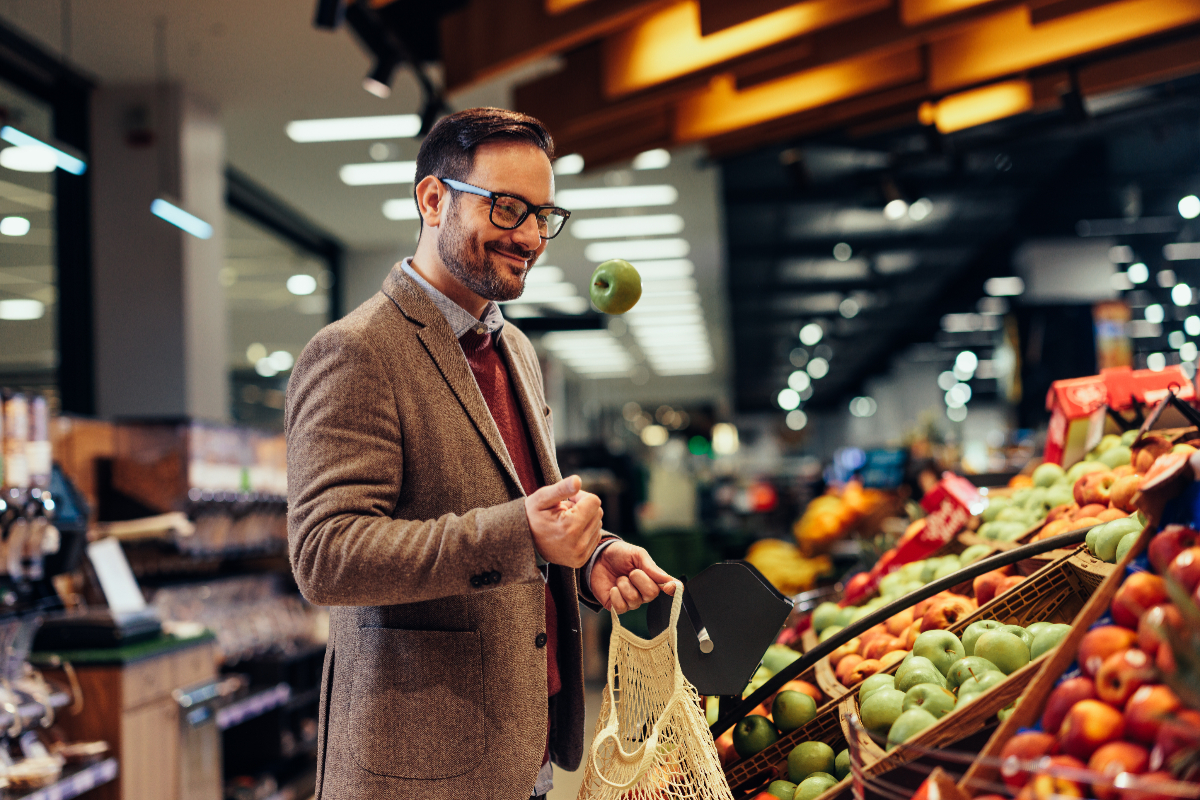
x: 540, y: 640
x: 476, y: 581
x: 494, y: 576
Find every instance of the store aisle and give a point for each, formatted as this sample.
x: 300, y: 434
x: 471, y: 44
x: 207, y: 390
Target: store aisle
x: 566, y: 784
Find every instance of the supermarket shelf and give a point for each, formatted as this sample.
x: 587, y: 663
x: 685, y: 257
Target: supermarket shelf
x: 75, y: 782
x: 32, y: 711
x: 253, y: 706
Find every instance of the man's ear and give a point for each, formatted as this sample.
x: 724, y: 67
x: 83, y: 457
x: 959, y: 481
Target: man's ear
x: 433, y: 198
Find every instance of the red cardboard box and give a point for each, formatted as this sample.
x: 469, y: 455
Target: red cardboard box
x: 1145, y: 386
x: 1076, y: 407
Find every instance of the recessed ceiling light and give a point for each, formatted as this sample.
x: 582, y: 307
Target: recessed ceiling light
x: 64, y: 161
x: 377, y: 174
x: 652, y: 159
x: 348, y: 129
x: 1004, y: 287
x: 1189, y: 207
x: 14, y: 226
x: 21, y: 309
x: 301, y: 284
x: 896, y: 209
x: 570, y: 164
x: 402, y: 208
x: 637, y: 249
x: 610, y: 227
x: 28, y: 159
x: 616, y: 197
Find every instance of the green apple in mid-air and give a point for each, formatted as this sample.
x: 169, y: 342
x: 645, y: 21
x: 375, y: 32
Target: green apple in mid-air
x: 616, y: 286
x: 942, y: 648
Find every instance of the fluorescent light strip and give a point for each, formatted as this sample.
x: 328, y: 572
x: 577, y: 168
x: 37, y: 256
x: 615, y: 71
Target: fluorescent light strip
x: 181, y: 219
x: 637, y: 249
x: 378, y: 174
x: 643, y: 325
x: 349, y: 129
x: 652, y: 159
x: 1181, y: 251
x: 403, y: 208
x: 65, y: 161
x: 570, y: 305
x: 616, y: 197
x: 544, y: 293
x: 645, y: 225
x: 674, y: 285
x: 543, y: 275
x: 664, y: 269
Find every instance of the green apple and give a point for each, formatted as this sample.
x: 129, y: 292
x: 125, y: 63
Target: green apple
x: 1048, y: 639
x: 973, y: 554
x: 981, y: 683
x: 880, y: 710
x: 1059, y: 495
x: 967, y: 668
x: 946, y: 568
x: 874, y: 683
x: 832, y: 630
x: 842, y: 764
x: 1116, y: 456
x: 1083, y: 468
x: 995, y: 506
x: 1107, y: 442
x: 825, y: 615
x: 815, y: 785
x: 754, y: 734
x: 784, y: 790
x: 1005, y: 712
x: 918, y: 675
x: 791, y: 709
x: 1125, y: 545
x: 807, y: 758
x: 934, y: 699
x: 908, y: 725
x: 1022, y: 634
x: 975, y: 630
x: 942, y: 648
x: 616, y: 287
x: 1003, y: 649
x: 1046, y: 474
x: 845, y: 616
x: 1129, y: 437
x: 1106, y: 537
x: 1037, y: 627
x: 912, y: 661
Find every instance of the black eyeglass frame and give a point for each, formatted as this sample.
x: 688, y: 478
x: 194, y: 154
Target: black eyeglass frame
x: 530, y: 208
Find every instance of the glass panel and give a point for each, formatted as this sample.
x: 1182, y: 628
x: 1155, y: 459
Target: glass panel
x: 277, y: 297
x: 28, y: 273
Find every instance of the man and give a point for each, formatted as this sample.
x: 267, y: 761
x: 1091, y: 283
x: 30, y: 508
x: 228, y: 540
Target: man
x: 426, y: 507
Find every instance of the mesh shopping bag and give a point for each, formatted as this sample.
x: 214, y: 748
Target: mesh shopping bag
x: 652, y: 741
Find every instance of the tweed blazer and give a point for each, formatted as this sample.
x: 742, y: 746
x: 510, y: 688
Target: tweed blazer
x: 407, y: 518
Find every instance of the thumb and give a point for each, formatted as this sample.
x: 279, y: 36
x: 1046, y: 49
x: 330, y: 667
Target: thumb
x: 656, y: 574
x: 549, y: 496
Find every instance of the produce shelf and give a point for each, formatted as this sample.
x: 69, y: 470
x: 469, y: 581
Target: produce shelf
x: 253, y: 706
x: 75, y: 781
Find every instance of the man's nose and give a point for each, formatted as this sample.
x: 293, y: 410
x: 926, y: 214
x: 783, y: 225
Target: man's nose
x: 526, y: 234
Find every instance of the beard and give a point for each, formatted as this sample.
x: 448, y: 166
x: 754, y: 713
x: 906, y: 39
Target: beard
x: 471, y: 263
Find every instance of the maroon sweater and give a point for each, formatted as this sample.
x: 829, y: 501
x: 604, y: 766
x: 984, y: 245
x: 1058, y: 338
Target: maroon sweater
x: 491, y: 373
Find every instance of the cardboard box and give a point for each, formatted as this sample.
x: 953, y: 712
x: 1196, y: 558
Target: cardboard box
x: 1077, y: 414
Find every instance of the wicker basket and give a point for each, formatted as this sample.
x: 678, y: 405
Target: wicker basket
x: 1057, y: 593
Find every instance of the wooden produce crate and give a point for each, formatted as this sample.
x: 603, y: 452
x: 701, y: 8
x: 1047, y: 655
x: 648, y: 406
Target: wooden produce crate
x: 1057, y: 593
x: 771, y: 764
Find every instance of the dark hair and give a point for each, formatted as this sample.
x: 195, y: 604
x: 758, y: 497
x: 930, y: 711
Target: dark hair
x: 449, y: 148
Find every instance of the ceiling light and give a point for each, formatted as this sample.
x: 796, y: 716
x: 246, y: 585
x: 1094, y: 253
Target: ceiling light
x: 181, y: 219
x: 281, y: 360
x: 788, y: 399
x: 263, y: 367
x: 610, y: 227
x: 652, y: 288
x: 956, y: 414
x: 637, y: 249
x: 21, y: 309
x: 255, y: 352
x: 669, y: 268
x: 28, y: 159
x: 724, y: 435
x: 1181, y: 251
x: 543, y: 275
x: 946, y: 380
x: 1154, y: 313
x: 570, y: 164
x: 65, y: 161
x: 616, y: 197
x: 799, y: 380
x: 963, y: 391
x: 544, y: 293
x: 920, y: 209
x: 811, y: 333
x: 654, y: 435
x: 1188, y: 351
x: 1120, y: 282
x: 1004, y: 287
x: 978, y: 106
x: 301, y: 284
x: 570, y: 305
x: 648, y: 323
x: 796, y: 420
x: 849, y: 308
x: 961, y: 374
x: 1181, y: 294
x: 1165, y: 278
x: 1189, y: 207
x: 992, y: 305
x: 14, y: 226
x: 967, y: 361
x: 953, y: 400
x: 842, y: 251
x: 652, y: 159
x: 1192, y: 325
x: 403, y: 208
x: 1120, y: 254
x: 798, y: 357
x: 1156, y: 362
x: 863, y: 406
x: 1176, y: 339
x: 379, y: 173
x: 895, y: 210
x: 349, y: 129
x: 1138, y: 273
x: 818, y: 368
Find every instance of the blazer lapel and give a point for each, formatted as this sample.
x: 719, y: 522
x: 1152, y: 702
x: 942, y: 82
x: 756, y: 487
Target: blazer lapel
x: 531, y: 405
x: 444, y: 349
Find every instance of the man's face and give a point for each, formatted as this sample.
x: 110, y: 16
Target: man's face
x: 489, y: 261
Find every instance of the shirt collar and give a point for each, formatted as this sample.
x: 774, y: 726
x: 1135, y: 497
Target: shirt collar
x: 459, y: 318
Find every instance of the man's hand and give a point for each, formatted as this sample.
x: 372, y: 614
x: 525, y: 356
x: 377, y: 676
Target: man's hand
x: 625, y: 576
x: 565, y: 522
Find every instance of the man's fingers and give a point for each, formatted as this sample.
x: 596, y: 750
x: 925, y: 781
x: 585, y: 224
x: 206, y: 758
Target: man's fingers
x: 551, y: 496
x: 616, y: 602
x: 652, y: 569
x: 629, y: 592
x: 647, y: 588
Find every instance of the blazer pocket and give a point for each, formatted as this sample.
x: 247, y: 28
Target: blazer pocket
x: 416, y: 703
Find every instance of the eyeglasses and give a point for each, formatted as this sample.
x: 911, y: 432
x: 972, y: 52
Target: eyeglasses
x: 509, y: 211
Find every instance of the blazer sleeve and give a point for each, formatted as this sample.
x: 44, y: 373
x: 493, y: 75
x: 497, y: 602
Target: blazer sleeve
x: 345, y: 548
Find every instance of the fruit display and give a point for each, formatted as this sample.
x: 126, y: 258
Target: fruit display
x: 834, y: 514
x: 785, y: 567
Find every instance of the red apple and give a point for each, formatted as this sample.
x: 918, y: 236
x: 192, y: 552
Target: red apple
x: 1146, y: 789
x: 1124, y: 492
x: 881, y: 645
x: 1023, y: 747
x: 944, y: 614
x: 1111, y: 760
x: 1010, y: 582
x: 986, y: 585
x: 894, y: 657
x: 1061, y: 512
x: 1122, y: 674
x: 1178, y: 732
x: 1094, y: 488
x: 1140, y: 591
x: 1045, y: 786
x: 1109, y: 514
x: 1150, y: 627
x: 1185, y: 568
x: 1062, y: 698
x: 1089, y: 724
x: 1172, y: 541
x: 1089, y: 510
x: 1100, y: 643
x: 1146, y: 710
x: 1147, y: 450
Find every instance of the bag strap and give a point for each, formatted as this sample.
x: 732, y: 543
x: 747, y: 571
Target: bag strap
x: 645, y: 753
